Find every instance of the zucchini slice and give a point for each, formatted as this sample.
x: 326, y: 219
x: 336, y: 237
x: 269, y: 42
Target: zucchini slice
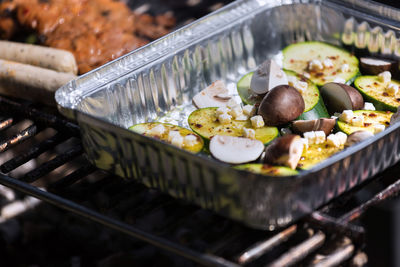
x: 373, y: 90
x: 371, y: 117
x: 315, y: 154
x: 266, y: 169
x: 145, y: 129
x: 297, y: 56
x: 314, y: 105
x: 204, y: 122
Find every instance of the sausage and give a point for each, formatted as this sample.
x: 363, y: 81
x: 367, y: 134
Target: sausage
x: 45, y: 57
x: 31, y: 82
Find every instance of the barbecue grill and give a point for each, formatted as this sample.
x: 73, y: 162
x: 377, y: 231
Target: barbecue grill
x: 42, y: 156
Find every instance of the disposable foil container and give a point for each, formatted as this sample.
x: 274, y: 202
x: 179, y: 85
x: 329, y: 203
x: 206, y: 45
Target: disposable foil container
x: 160, y: 79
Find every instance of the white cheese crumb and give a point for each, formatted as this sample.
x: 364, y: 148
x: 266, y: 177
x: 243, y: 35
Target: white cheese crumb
x: 315, y: 65
x: 305, y: 142
x: 236, y: 111
x: 257, y: 121
x: 301, y: 86
x: 285, y: 131
x: 189, y: 140
x: 358, y: 121
x: 158, y: 130
x: 342, y: 137
x: 172, y: 134
x: 344, y: 68
x: 378, y: 128
x: 307, y: 75
x: 392, y: 89
x: 339, y: 80
x: 385, y: 77
x: 242, y: 118
x: 368, y: 106
x: 319, y: 149
x: 333, y: 140
x: 319, y: 137
x: 224, y: 118
x: 177, y: 141
x: 346, y: 116
x: 249, y: 133
x: 222, y: 110
x: 327, y: 63
x: 231, y: 103
x: 334, y: 117
x: 310, y: 136
x: 249, y: 110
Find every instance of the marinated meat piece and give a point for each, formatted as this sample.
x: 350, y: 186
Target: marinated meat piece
x: 96, y: 31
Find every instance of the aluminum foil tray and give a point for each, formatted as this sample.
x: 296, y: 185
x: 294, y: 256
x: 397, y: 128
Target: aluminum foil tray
x: 159, y: 80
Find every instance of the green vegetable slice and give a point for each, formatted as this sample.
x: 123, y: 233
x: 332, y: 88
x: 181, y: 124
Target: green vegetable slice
x: 371, y: 117
x: 373, y: 90
x: 315, y: 154
x: 204, y: 122
x: 297, y: 56
x: 268, y: 170
x: 145, y: 129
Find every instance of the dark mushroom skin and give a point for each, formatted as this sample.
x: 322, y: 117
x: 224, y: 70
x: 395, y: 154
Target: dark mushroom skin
x: 357, y: 137
x: 285, y: 150
x: 374, y: 66
x: 339, y: 97
x: 281, y: 105
x: 323, y: 124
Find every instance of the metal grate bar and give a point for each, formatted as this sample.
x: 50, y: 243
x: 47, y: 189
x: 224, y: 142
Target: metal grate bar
x: 205, y: 259
x: 257, y: 250
x: 4, y: 124
x: 33, y: 152
x: 72, y: 178
x: 19, y: 138
x: 340, y: 255
x: 299, y: 252
x: 52, y: 164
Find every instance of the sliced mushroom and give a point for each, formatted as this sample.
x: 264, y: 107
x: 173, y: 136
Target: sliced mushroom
x: 357, y: 137
x: 267, y: 76
x: 235, y: 150
x: 374, y: 66
x: 285, y: 150
x: 215, y: 95
x: 323, y: 124
x: 281, y: 105
x: 339, y: 97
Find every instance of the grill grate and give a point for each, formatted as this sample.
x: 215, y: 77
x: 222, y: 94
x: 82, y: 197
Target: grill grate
x: 326, y: 238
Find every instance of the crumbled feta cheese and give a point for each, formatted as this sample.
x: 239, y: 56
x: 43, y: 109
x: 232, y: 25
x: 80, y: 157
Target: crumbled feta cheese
x: 307, y: 75
x: 385, y: 77
x: 172, y: 134
x: 333, y: 140
x: 285, y: 131
x: 242, y: 118
x: 344, y: 68
x: 368, y: 106
x: 231, y: 103
x: 291, y: 80
x: 224, y: 118
x: 358, y: 121
x: 310, y: 136
x: 158, y: 130
x: 315, y: 65
x: 236, y: 111
x: 249, y: 133
x: 257, y: 121
x: 319, y: 149
x: 222, y: 110
x: 378, y: 128
x: 319, y: 137
x: 301, y: 86
x: 305, y: 142
x: 339, y: 80
x: 392, y: 89
x: 342, y: 137
x: 346, y: 116
x: 327, y: 63
x: 189, y: 140
x: 249, y: 110
x: 177, y: 141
